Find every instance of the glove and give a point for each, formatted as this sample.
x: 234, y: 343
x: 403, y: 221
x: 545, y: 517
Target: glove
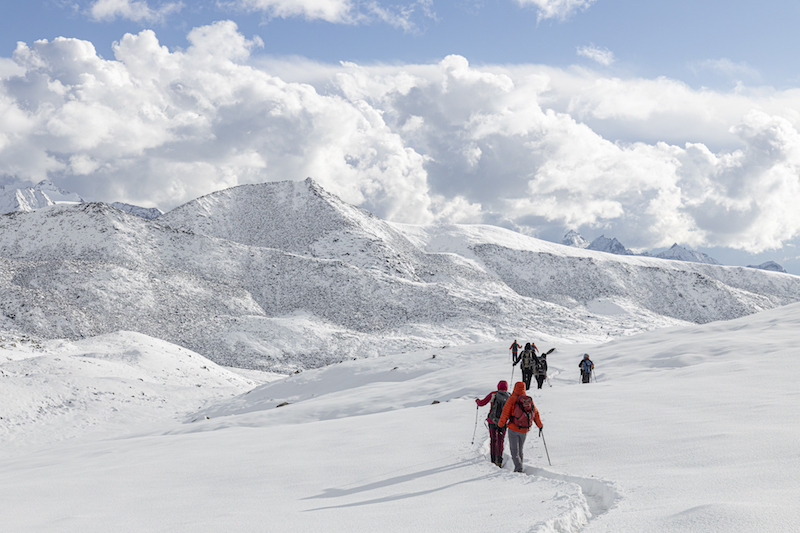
x: 540, y: 432
x: 476, y: 402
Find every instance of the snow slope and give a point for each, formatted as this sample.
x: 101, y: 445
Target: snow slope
x: 686, y: 429
x: 285, y: 276
x: 26, y: 199
x: 121, y: 382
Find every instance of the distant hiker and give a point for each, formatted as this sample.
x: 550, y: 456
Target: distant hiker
x: 586, y: 367
x: 497, y: 435
x: 514, y: 348
x: 519, y: 415
x: 540, y: 369
x: 526, y: 363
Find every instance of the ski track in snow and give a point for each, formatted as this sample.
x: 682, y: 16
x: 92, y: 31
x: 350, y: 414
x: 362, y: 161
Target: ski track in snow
x: 598, y: 496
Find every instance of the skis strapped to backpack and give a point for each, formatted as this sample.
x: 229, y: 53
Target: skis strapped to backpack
x: 498, y: 402
x: 523, y: 412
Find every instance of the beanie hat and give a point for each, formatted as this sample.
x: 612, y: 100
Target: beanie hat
x: 502, y: 386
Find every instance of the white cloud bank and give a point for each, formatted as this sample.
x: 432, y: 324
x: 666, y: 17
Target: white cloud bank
x: 414, y: 143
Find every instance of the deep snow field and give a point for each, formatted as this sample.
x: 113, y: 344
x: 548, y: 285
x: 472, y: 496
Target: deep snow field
x: 693, y: 428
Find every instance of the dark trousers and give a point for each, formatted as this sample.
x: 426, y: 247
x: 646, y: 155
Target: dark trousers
x: 586, y: 376
x: 527, y: 374
x: 540, y: 380
x: 497, y: 437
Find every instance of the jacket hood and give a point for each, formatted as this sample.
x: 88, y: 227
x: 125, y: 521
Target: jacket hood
x: 502, y: 386
x: 519, y: 388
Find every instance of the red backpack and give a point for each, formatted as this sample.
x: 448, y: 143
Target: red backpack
x: 522, y: 415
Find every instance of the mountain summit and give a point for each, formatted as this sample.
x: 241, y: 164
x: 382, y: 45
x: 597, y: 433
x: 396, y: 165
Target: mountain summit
x: 679, y: 253
x: 612, y: 246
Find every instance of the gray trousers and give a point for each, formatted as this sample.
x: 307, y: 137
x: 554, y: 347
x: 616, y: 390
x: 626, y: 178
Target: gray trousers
x: 516, y: 441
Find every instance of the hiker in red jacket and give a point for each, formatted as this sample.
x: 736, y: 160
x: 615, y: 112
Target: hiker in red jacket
x: 519, y: 415
x: 514, y: 349
x: 497, y: 435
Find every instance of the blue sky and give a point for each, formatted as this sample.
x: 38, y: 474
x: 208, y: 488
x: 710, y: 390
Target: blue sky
x: 713, y: 43
x: 651, y: 122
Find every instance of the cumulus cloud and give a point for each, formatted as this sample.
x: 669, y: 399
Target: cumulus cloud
x: 557, y: 9
x: 604, y: 56
x: 446, y: 141
x: 136, y: 10
x: 162, y: 127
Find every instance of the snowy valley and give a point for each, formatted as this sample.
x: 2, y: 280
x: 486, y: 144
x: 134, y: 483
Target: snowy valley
x: 143, y: 363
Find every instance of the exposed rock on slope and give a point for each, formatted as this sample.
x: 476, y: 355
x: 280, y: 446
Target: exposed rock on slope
x: 144, y: 212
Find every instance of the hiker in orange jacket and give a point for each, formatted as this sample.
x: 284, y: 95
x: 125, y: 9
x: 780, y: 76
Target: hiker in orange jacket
x: 518, y: 420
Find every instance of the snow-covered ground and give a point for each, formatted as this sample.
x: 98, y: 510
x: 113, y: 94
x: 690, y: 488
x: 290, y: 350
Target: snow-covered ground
x: 691, y: 428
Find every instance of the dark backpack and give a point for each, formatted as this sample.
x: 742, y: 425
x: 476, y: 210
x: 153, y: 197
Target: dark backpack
x: 540, y: 366
x: 522, y: 416
x: 498, y: 402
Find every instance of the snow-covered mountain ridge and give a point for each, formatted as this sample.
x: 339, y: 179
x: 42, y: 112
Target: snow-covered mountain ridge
x: 284, y: 275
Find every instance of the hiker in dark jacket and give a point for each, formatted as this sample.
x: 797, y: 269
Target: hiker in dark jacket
x: 497, y: 435
x: 587, y: 367
x: 526, y: 363
x: 540, y: 370
x: 517, y: 434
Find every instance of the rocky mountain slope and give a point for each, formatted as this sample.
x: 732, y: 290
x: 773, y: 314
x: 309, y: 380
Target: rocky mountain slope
x: 283, y: 276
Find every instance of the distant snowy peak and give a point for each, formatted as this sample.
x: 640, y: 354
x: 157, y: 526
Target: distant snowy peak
x: 769, y: 265
x: 574, y: 239
x: 612, y: 246
x: 679, y: 253
x: 148, y: 213
x: 26, y: 199
x: 57, y: 194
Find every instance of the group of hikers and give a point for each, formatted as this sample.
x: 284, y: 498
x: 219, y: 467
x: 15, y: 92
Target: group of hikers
x: 516, y: 411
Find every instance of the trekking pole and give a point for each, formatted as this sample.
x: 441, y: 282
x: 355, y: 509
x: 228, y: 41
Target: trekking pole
x: 545, y: 447
x: 476, y: 425
x: 513, y: 367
